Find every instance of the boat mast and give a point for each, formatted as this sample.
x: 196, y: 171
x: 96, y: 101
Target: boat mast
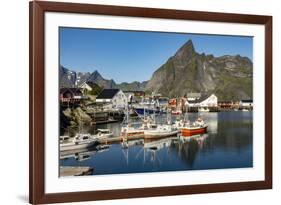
x: 127, y: 113
x: 144, y: 111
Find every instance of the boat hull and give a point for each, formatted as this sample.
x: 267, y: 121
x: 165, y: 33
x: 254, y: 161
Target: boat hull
x: 153, y: 135
x: 103, y: 136
x: 132, y: 133
x: 141, y: 111
x: 193, y: 131
x: 73, y: 146
x: 176, y: 113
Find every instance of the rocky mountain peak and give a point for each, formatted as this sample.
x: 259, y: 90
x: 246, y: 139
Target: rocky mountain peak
x: 229, y: 76
x: 186, y: 51
x: 96, y: 74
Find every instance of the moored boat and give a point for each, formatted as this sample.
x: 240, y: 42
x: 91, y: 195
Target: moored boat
x: 188, y: 129
x: 143, y: 110
x: 161, y: 131
x: 130, y: 130
x: 202, y: 109
x: 193, y: 130
x: 176, y: 112
x: 80, y: 141
x: 102, y: 133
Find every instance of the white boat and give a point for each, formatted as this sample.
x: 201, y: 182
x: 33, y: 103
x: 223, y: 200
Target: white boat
x: 202, y: 109
x: 245, y: 110
x: 80, y: 141
x: 83, y: 156
x: 103, y: 133
x: 161, y: 131
x: 147, y: 107
x: 64, y: 138
x: 102, y: 148
x: 128, y: 128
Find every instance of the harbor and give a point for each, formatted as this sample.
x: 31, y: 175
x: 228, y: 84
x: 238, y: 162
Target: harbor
x: 124, y: 108
x: 227, y: 143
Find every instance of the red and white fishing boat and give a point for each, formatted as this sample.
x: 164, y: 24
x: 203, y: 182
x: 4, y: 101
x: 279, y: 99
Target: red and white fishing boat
x: 187, y: 129
x: 176, y: 112
x: 193, y: 130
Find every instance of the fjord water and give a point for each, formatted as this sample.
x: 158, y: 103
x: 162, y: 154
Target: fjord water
x: 228, y: 144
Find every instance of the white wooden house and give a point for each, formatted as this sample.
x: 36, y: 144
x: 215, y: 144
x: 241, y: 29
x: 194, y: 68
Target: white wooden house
x: 87, y: 87
x: 193, y: 96
x: 204, y: 101
x: 115, y: 97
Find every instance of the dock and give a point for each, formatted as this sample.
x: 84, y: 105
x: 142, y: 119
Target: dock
x: 114, y: 140
x: 75, y: 171
x: 119, y: 139
x: 103, y: 122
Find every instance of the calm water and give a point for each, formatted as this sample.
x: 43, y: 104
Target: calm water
x: 228, y: 144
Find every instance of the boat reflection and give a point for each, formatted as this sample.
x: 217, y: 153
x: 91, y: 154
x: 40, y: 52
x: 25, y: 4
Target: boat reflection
x: 185, y: 147
x: 227, y: 144
x: 83, y: 154
x: 189, y: 148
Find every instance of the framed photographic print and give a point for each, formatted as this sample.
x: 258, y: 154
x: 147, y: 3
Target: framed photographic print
x: 139, y: 102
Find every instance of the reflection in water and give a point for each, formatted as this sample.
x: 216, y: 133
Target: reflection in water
x: 228, y: 144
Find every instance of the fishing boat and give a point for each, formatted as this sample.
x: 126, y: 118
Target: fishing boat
x: 202, y: 109
x: 147, y: 107
x: 146, y: 110
x: 103, y: 133
x: 189, y: 129
x: 161, y: 131
x: 128, y: 128
x: 83, y: 156
x: 80, y: 141
x: 102, y: 148
x: 176, y: 112
x: 64, y: 138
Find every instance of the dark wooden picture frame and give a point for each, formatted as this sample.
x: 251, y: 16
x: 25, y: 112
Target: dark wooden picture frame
x: 37, y: 95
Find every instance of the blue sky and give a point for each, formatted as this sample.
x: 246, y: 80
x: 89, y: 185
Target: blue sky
x: 127, y: 56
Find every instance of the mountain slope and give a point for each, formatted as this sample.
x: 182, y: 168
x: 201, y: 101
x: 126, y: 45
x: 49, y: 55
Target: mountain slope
x: 70, y: 78
x: 229, y: 77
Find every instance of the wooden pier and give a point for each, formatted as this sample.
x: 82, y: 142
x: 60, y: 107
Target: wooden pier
x: 75, y: 171
x: 103, y: 122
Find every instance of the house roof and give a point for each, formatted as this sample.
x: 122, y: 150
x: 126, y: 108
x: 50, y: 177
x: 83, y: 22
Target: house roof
x: 107, y: 94
x: 247, y: 101
x: 201, y: 99
x: 91, y: 84
x: 72, y: 90
x: 194, y: 95
x: 227, y: 101
x: 133, y: 91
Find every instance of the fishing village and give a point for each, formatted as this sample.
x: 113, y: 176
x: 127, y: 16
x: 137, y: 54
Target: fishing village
x: 147, y: 119
x: 131, y: 105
